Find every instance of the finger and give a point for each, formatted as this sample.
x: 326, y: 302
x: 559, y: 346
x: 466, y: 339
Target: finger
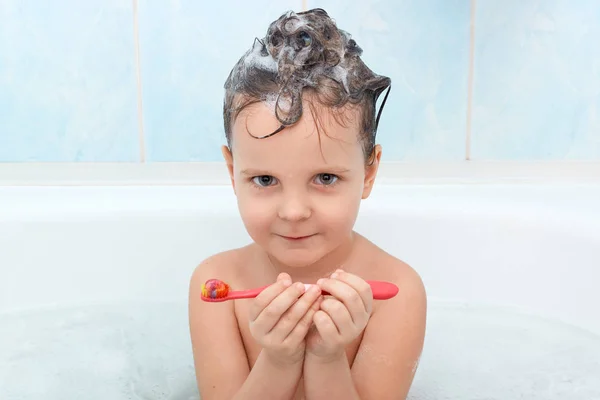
x: 357, y: 283
x: 271, y: 314
x: 267, y: 296
x: 346, y: 294
x: 300, y: 330
x: 340, y: 316
x: 294, y: 314
x: 326, y: 327
x: 283, y: 276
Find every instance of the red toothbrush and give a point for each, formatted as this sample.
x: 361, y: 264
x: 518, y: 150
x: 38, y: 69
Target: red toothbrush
x: 215, y: 290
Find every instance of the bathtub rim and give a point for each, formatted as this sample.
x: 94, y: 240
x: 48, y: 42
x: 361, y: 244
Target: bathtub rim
x: 215, y: 173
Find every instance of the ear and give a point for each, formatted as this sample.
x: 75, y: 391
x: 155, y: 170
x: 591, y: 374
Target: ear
x: 371, y: 171
x: 228, y: 156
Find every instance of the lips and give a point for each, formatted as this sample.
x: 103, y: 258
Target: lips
x: 296, y: 238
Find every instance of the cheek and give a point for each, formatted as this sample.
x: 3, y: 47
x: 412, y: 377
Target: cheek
x: 340, y: 213
x: 256, y: 215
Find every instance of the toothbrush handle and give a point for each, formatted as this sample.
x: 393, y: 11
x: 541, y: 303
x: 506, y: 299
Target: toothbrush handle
x: 381, y: 291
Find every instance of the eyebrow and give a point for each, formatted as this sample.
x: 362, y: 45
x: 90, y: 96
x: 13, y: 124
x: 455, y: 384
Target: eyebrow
x: 339, y: 170
x: 324, y: 170
x: 254, y: 172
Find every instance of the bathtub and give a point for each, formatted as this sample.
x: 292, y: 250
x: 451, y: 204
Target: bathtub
x: 94, y: 280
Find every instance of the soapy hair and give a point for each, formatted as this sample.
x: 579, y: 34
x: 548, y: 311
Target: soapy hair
x: 305, y: 53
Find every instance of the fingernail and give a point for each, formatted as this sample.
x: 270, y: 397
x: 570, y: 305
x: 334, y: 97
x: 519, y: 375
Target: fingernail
x: 299, y: 285
x: 334, y: 275
x: 287, y: 282
x: 320, y: 281
x: 339, y: 270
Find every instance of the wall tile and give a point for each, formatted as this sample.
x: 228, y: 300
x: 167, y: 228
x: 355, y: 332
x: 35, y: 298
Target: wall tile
x: 537, y: 80
x: 188, y: 48
x: 424, y: 47
x: 67, y: 81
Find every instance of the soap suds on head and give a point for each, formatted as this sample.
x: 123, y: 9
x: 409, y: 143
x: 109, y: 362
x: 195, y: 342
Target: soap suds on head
x: 270, y: 100
x: 341, y: 75
x: 257, y: 58
x: 302, y: 50
x: 293, y: 24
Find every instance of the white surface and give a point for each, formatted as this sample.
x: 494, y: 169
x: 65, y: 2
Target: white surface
x: 93, y: 286
x: 215, y: 173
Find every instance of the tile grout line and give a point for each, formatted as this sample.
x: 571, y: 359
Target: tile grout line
x: 138, y: 73
x: 470, y: 79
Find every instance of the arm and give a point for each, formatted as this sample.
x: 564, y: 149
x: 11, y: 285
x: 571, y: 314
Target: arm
x: 329, y: 379
x: 388, y: 355
x: 220, y: 360
x: 270, y: 380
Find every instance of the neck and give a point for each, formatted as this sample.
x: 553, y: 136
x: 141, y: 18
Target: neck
x: 321, y: 268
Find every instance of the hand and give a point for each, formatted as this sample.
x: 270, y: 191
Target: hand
x: 280, y: 317
x: 341, y: 317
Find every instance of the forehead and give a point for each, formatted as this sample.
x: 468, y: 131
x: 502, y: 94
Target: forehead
x: 322, y: 139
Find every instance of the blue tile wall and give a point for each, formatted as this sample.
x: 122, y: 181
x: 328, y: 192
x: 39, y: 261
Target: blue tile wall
x: 68, y: 76
x: 67, y: 81
x: 423, y: 46
x: 187, y: 54
x: 537, y: 80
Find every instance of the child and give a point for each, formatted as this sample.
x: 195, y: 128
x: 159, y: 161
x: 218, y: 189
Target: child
x: 300, y: 123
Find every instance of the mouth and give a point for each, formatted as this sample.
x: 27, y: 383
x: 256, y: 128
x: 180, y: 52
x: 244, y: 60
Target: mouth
x: 296, y: 238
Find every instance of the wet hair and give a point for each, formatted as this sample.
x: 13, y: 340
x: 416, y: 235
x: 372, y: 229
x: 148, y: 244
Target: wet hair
x: 305, y: 53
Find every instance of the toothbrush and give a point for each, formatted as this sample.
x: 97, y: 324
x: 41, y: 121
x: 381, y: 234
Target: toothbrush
x: 215, y: 290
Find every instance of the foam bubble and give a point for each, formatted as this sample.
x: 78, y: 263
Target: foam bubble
x: 341, y: 75
x: 293, y: 24
x: 271, y: 100
x: 256, y: 59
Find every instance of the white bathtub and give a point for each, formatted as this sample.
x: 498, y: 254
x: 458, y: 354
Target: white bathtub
x: 93, y: 286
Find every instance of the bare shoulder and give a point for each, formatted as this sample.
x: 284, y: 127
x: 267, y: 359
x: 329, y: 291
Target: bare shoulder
x: 412, y: 295
x: 389, y: 353
x: 404, y: 276
x: 384, y: 266
x: 220, y: 359
x: 224, y: 266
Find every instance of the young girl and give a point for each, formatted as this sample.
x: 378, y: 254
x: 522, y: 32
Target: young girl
x: 300, y: 123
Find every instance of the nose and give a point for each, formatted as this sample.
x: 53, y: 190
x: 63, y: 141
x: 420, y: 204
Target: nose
x: 294, y: 207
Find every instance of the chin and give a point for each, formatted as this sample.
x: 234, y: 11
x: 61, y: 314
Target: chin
x: 297, y: 258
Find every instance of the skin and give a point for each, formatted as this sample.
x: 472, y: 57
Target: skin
x: 300, y: 183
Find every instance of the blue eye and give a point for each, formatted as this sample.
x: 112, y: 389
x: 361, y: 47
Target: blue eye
x: 327, y: 179
x: 263, y: 180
